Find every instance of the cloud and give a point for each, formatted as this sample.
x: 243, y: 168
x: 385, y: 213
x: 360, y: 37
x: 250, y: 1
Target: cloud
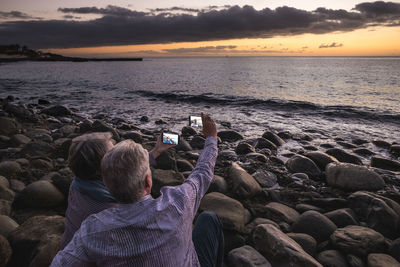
x: 123, y: 26
x: 71, y: 17
x: 332, y: 45
x: 202, y: 49
x: 15, y: 15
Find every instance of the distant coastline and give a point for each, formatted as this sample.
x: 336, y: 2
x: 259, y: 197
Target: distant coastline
x: 15, y: 53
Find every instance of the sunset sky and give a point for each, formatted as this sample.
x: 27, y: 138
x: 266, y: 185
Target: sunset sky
x: 123, y: 28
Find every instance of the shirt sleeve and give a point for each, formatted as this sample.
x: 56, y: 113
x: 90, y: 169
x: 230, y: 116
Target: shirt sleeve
x: 188, y: 195
x: 152, y: 160
x: 74, y: 254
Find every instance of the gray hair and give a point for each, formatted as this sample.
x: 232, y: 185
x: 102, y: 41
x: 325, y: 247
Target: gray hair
x: 124, y: 169
x: 85, y: 154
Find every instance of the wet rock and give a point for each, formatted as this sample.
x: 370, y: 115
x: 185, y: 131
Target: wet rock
x: 265, y: 178
x: 242, y: 184
x: 273, y: 138
x: 5, y: 251
x: 183, y: 145
x: 343, y: 156
x: 5, y: 207
x: 246, y: 256
x: 197, y: 142
x: 133, y: 135
x: 359, y: 141
x: 37, y: 149
x: 160, y: 121
x: 278, y: 212
x: 37, y: 241
x: 379, y: 260
x: 21, y: 112
x: 363, y: 151
x: 4, y: 182
x: 265, y: 143
x: 9, y: 169
x: 352, y: 177
x: 7, y: 225
x: 285, y: 135
x: 230, y: 211
x: 218, y: 184
x: 306, y: 207
x: 244, y: 148
x: 381, y: 143
x: 386, y: 164
x: 144, y: 119
x: 39, y: 194
x: 42, y: 101
x: 85, y: 126
x: 327, y: 146
x: 395, y: 150
x: 380, y: 213
x: 229, y: 136
x: 101, y: 126
x: 342, y: 217
x: 163, y: 178
x: 307, y: 242
x: 358, y: 240
x: 280, y: 249
x: 188, y: 131
x: 332, y: 258
x: 57, y: 110
x: 44, y: 164
x: 166, y: 161
x: 19, y: 139
x: 69, y: 129
x: 303, y: 164
x: 394, y: 249
x: 184, y: 165
x: 314, y: 224
x: 8, y: 126
x: 346, y: 145
x: 6, y: 193
x: 320, y: 158
x: 257, y: 156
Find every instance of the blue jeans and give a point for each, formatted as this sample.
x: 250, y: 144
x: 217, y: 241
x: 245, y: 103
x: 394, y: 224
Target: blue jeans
x: 208, y: 239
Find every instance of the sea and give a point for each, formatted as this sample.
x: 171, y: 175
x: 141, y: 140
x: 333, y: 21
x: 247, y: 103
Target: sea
x: 328, y: 98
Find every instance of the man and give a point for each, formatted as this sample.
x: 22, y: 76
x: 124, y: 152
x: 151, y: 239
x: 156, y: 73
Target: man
x: 88, y: 194
x: 142, y: 231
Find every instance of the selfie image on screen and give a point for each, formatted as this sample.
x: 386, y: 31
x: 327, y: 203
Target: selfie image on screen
x: 196, y: 121
x: 171, y: 139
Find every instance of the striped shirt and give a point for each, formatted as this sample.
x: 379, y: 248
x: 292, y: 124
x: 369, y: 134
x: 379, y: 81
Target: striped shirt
x: 150, y: 232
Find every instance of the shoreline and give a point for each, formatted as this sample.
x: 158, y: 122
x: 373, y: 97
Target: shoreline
x: 67, y: 59
x: 278, y: 182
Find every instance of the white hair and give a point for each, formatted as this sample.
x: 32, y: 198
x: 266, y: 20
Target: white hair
x: 124, y: 169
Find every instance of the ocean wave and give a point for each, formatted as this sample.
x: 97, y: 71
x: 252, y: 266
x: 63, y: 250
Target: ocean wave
x: 309, y: 108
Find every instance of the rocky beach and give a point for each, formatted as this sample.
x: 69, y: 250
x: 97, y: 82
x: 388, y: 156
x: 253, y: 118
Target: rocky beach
x: 284, y: 198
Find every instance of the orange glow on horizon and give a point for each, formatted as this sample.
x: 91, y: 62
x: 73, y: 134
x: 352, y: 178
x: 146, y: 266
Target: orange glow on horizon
x: 379, y: 41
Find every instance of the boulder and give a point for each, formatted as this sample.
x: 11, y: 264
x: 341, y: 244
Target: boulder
x: 352, y: 177
x: 257, y: 221
x: 299, y: 163
x: 386, y: 164
x: 380, y: 213
x: 68, y: 129
x: 101, y: 126
x: 165, y: 178
x: 265, y: 178
x: 37, y: 149
x: 227, y: 155
x: 218, y: 184
x: 314, y: 224
x: 244, y: 148
x: 57, y: 110
x: 62, y: 147
x: 183, y: 145
x: 5, y: 207
x: 4, y: 182
x: 379, y: 260
x: 144, y: 119
x: 307, y: 242
x: 346, y: 144
x: 6, y: 193
x: 265, y: 143
x: 39, y: 194
x: 247, y: 256
x: 36, y: 241
x: 343, y: 156
x: 301, y: 207
x: 394, y: 249
x: 166, y: 161
x: 363, y: 151
x: 278, y: 213
x: 280, y: 249
x: 273, y: 138
x: 320, y: 158
x: 232, y: 240
x: 133, y: 135
x: 395, y: 150
x: 242, y: 184
x: 9, y: 168
x: 8, y: 126
x: 188, y: 131
x: 342, y: 217
x: 230, y: 211
x: 355, y: 261
x: 358, y: 240
x: 197, y: 142
x: 19, y: 139
x: 332, y: 258
x: 257, y: 157
x: 229, y: 136
x: 381, y: 143
x: 184, y: 165
x: 7, y: 225
x: 5, y: 251
x: 62, y: 182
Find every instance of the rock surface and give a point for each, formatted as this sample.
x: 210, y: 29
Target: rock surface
x: 165, y: 178
x: 299, y: 163
x: 343, y: 156
x: 40, y: 194
x: 247, y: 256
x: 380, y: 260
x: 332, y: 258
x: 242, y: 183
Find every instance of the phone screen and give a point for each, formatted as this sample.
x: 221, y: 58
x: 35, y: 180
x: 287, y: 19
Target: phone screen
x: 170, y: 138
x: 195, y: 121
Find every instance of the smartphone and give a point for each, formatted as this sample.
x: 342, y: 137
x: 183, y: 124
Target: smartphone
x: 195, y: 121
x: 170, y: 138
